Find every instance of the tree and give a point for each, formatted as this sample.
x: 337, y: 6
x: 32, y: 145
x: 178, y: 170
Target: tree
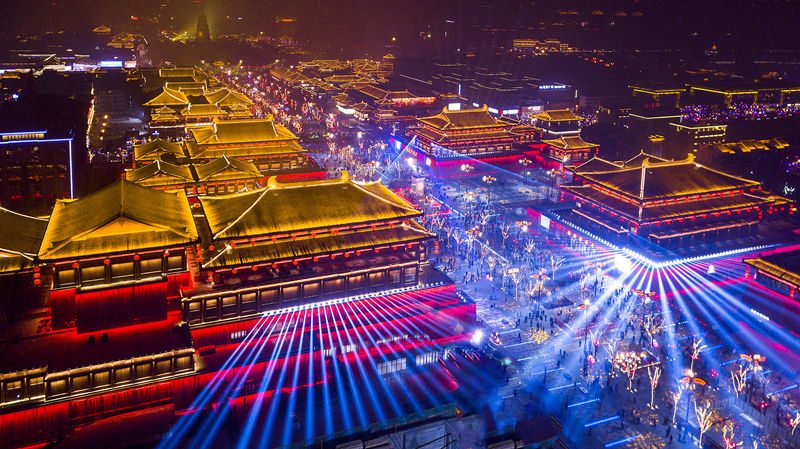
x: 697, y: 346
x: 676, y: 397
x: 728, y: 436
x: 703, y: 414
x: 555, y: 263
x: 653, y: 325
x: 739, y: 378
x: 654, y: 374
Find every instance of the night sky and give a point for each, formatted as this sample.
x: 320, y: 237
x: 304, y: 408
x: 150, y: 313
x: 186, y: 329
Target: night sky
x: 663, y: 24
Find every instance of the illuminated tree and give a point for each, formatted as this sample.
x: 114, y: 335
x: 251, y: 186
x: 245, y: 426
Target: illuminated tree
x: 654, y: 374
x: 697, y: 346
x: 676, y: 397
x: 703, y: 414
x: 728, y: 436
x: 555, y: 263
x: 629, y: 363
x: 739, y: 378
x: 653, y: 325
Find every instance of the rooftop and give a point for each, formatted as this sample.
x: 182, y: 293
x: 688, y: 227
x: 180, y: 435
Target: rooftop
x: 121, y: 217
x: 655, y: 179
x: 290, y: 207
x: 462, y: 119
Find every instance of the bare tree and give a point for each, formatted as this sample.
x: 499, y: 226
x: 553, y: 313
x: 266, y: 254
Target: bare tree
x: 676, y: 398
x: 697, y: 346
x: 555, y: 263
x: 728, y: 436
x: 739, y: 378
x: 654, y: 374
x: 703, y: 414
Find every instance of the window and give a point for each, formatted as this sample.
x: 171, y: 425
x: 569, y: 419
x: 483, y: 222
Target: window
x: 410, y: 275
x: 143, y: 370
x: 122, y: 271
x: 429, y: 357
x: 330, y: 352
x: 238, y: 336
x: 150, y: 266
x: 392, y: 366
x: 163, y: 366
x: 93, y: 275
x: 66, y: 277
x: 349, y: 348
x: 80, y: 382
x: 175, y: 263
x: 291, y: 293
x: 102, y: 378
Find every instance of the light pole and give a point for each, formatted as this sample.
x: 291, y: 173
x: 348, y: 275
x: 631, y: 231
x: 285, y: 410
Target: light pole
x: 489, y: 179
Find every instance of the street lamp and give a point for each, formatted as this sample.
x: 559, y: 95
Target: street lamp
x: 489, y: 179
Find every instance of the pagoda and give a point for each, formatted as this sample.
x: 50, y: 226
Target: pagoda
x: 570, y: 150
x: 558, y: 122
x: 471, y: 132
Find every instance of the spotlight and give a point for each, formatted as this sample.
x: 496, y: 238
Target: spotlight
x: 711, y: 269
x: 477, y: 337
x: 623, y: 264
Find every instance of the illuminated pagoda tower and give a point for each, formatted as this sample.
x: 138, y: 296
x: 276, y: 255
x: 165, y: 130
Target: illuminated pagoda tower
x: 570, y: 150
x: 202, y: 33
x: 557, y: 123
x: 673, y: 204
x: 446, y: 140
x: 154, y: 301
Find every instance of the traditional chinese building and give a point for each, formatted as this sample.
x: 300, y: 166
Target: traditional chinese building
x: 463, y: 132
x: 222, y: 176
x: 156, y: 149
x: 571, y: 150
x: 154, y: 305
x: 671, y: 203
x: 558, y: 122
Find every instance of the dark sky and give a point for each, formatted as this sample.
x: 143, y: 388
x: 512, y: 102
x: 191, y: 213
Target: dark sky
x: 663, y: 23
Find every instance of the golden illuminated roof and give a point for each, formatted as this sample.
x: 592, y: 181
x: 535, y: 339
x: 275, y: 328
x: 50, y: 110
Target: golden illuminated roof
x: 570, y: 143
x: 227, y: 97
x: 784, y: 266
x: 122, y: 217
x: 202, y: 110
x: 160, y: 173
x: 186, y: 86
x: 169, y: 97
x: 176, y: 72
x: 226, y: 168
x: 20, y: 238
x: 557, y: 115
x: 462, y: 119
x: 664, y: 179
x: 241, y: 131
x: 596, y: 165
x: 290, y: 207
x: 155, y: 148
x: 746, y: 146
x: 638, y: 160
